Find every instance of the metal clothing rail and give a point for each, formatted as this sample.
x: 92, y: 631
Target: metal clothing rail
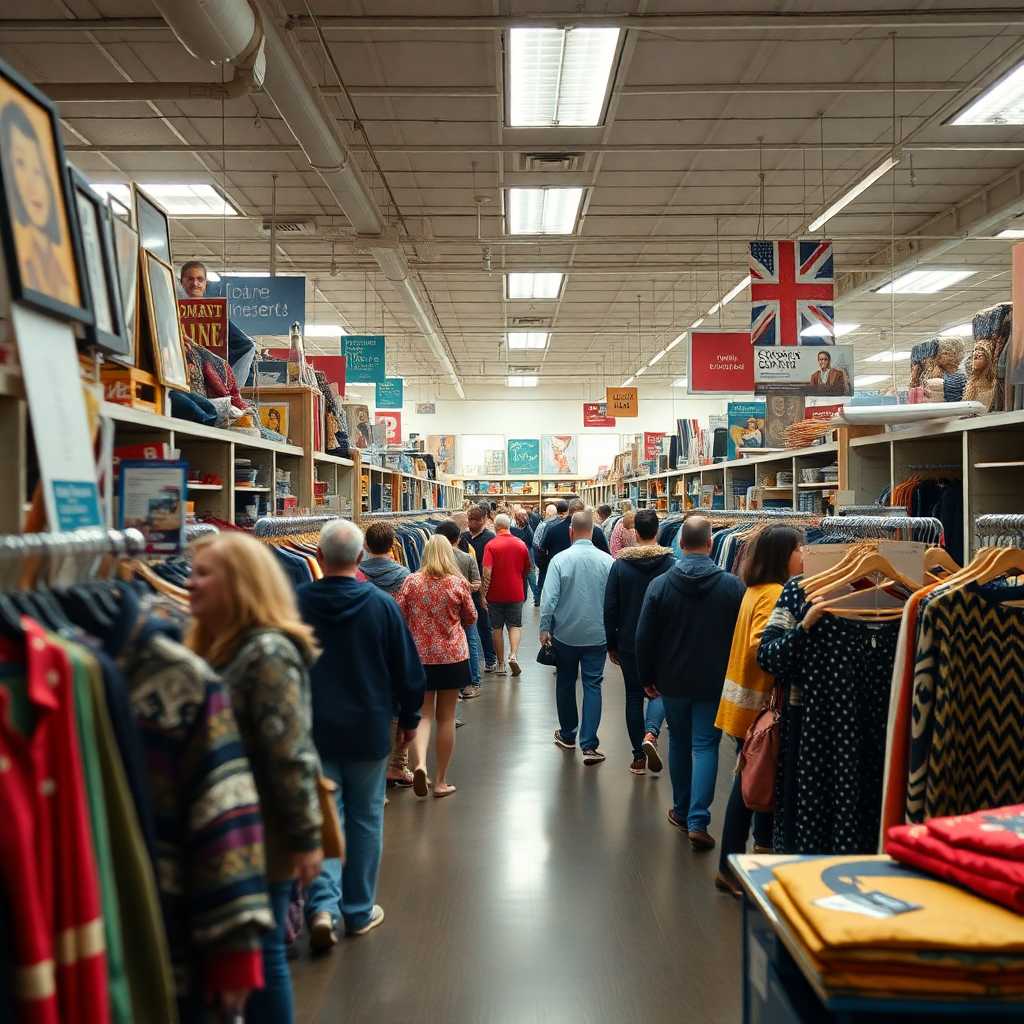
x: 871, y: 510
x: 999, y: 529
x: 64, y: 556
x: 920, y: 528
x: 281, y: 526
x: 417, y: 514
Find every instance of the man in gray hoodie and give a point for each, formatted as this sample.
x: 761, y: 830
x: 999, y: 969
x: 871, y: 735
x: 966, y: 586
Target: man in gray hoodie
x: 380, y: 568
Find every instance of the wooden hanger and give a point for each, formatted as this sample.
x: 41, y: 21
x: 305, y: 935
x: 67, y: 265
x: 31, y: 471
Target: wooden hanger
x: 870, y: 564
x: 160, y: 585
x: 939, y: 558
x: 819, y: 582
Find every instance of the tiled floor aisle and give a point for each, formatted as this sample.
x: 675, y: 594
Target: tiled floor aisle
x: 542, y: 891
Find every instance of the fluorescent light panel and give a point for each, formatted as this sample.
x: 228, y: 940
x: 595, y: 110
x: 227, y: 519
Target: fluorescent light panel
x: 866, y: 379
x: 675, y: 341
x: 658, y: 357
x: 730, y: 295
x: 1011, y: 233
x: 179, y: 200
x: 559, y: 76
x: 924, y: 282
x: 534, y: 286
x: 820, y: 331
x: 627, y: 383
x: 1002, y: 104
x: 885, y: 357
x: 680, y: 382
x: 323, y: 330
x: 696, y: 323
x: 527, y: 339
x: 850, y: 194
x: 543, y: 211
x: 520, y: 381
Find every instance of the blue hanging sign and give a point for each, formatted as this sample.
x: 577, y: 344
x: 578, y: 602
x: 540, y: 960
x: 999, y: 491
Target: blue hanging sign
x: 524, y: 455
x: 265, y: 305
x: 364, y: 358
x: 390, y: 393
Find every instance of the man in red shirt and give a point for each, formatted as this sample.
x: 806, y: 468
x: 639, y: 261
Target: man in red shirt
x: 506, y: 566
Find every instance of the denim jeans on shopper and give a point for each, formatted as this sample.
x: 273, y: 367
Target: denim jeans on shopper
x: 473, y: 639
x: 348, y: 891
x: 638, y: 724
x: 738, y: 819
x: 272, y: 1004
x: 483, y: 630
x: 534, y: 584
x: 588, y: 662
x: 692, y: 758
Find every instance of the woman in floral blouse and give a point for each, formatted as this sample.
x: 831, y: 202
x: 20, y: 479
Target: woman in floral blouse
x: 437, y: 605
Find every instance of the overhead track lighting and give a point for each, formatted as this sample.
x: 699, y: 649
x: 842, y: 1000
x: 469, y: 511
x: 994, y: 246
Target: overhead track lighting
x: 851, y: 193
x: 1002, y: 104
x: 821, y: 331
x: 924, y: 282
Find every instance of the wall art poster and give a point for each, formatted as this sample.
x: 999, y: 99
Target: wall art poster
x: 559, y: 454
x: 746, y: 426
x: 781, y: 411
x: 524, y: 455
x: 151, y: 498
x: 442, y: 447
x: 391, y: 421
x: 274, y: 416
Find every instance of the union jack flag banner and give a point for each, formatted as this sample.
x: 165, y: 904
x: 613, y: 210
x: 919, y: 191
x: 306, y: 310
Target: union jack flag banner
x: 791, y: 289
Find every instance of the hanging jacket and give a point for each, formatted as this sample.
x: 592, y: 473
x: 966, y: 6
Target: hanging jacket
x: 367, y: 670
x: 384, y: 572
x: 628, y: 580
x: 684, y: 633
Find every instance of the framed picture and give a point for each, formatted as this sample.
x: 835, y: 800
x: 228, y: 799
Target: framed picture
x: 153, y: 224
x: 120, y: 211
x: 126, y: 258
x: 40, y: 234
x: 101, y: 279
x: 162, y: 308
x: 274, y: 416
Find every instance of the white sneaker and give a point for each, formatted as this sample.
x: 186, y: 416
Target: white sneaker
x: 321, y: 932
x: 376, y: 918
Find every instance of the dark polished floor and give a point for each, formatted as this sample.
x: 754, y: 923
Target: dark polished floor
x: 542, y: 891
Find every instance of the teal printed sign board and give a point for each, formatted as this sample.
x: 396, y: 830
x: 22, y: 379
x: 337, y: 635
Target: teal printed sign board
x: 390, y: 393
x: 524, y: 455
x: 77, y: 503
x: 364, y: 358
x: 265, y: 305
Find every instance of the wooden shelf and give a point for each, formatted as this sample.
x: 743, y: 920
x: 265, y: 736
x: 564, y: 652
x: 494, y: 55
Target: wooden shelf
x: 251, y: 490
x: 833, y: 485
x: 205, y: 487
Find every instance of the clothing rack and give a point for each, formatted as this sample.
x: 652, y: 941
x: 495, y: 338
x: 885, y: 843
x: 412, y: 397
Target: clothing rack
x: 282, y: 526
x: 999, y: 530
x: 416, y: 514
x: 919, y: 528
x: 871, y: 510
x: 193, y: 531
x: 57, y: 552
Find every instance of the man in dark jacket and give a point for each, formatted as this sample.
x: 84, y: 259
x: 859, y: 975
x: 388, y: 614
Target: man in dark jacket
x: 556, y: 536
x: 368, y: 669
x: 474, y: 540
x: 630, y: 576
x: 683, y: 639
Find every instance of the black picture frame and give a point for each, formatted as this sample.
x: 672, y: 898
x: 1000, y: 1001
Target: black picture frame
x: 108, y: 330
x: 153, y: 224
x: 43, y: 256
x: 126, y: 259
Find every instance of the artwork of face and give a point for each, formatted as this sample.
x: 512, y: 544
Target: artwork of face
x: 824, y: 359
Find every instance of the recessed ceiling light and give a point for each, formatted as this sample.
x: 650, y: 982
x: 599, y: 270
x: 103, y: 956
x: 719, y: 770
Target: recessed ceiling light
x: 1011, y: 233
x: 527, y: 339
x: 323, y: 330
x: 961, y: 330
x: 179, y: 200
x: 680, y: 382
x: 924, y: 282
x: 821, y: 331
x: 867, y: 379
x: 886, y: 357
x: 533, y: 286
x: 543, y: 211
x: 627, y: 383
x: 559, y: 76
x: 520, y: 381
x: 1003, y: 103
x: 658, y: 357
x: 851, y: 193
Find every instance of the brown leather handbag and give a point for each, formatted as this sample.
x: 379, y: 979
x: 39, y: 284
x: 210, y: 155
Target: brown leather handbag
x: 759, y: 756
x: 332, y: 839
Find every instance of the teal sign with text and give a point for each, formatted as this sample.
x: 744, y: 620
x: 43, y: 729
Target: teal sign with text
x: 524, y: 455
x: 364, y: 358
x: 390, y: 393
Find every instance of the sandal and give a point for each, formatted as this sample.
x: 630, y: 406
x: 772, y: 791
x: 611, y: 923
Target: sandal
x: 420, y: 782
x: 446, y: 791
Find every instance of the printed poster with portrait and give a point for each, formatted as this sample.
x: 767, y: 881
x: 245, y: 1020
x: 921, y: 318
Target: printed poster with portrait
x: 274, y: 416
x: 442, y: 447
x: 42, y: 248
x: 559, y: 455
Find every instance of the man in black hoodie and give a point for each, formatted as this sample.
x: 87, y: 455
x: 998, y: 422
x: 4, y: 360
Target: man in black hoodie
x: 683, y: 638
x: 368, y: 670
x: 630, y: 576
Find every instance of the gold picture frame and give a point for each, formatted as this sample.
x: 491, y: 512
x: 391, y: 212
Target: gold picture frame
x: 165, y: 327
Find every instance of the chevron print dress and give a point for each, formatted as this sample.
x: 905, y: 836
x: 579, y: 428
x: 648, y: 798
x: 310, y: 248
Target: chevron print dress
x: 967, y: 744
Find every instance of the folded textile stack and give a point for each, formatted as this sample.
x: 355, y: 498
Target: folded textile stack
x: 874, y: 926
x: 983, y: 852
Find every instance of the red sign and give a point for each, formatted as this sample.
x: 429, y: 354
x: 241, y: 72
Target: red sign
x: 595, y: 414
x: 721, y: 363
x: 652, y: 444
x: 392, y: 420
x: 204, y: 322
x: 333, y: 367
x: 822, y: 412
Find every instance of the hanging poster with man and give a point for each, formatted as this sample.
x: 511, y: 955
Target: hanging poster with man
x: 559, y: 455
x: 821, y: 371
x: 524, y: 455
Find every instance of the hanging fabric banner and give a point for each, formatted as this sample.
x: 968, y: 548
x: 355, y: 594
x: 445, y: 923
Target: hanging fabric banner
x: 720, y: 363
x: 392, y: 424
x: 595, y: 414
x: 265, y: 305
x: 364, y: 357
x: 792, y: 292
x: 390, y: 393
x: 622, y: 402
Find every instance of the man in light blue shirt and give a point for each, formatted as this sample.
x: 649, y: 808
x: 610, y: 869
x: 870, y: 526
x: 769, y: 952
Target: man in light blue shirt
x: 572, y: 617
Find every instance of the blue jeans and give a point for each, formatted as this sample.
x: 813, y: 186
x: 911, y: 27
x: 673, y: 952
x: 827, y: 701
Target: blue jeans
x: 272, y: 1004
x: 534, y: 585
x: 349, y: 891
x: 483, y: 629
x: 639, y: 724
x: 473, y: 639
x: 589, y: 663
x: 692, y: 758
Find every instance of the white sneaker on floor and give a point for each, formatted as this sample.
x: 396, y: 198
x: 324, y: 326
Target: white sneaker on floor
x: 376, y: 918
x: 321, y: 932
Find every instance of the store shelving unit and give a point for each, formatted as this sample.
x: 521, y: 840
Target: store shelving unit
x: 499, y: 487
x: 388, y: 490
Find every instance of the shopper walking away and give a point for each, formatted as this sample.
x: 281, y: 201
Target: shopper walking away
x: 551, y: 515
x: 246, y: 625
x: 380, y: 568
x: 556, y: 536
x: 474, y: 540
x: 367, y: 667
x: 630, y: 576
x: 683, y: 639
x: 437, y: 603
x: 571, y: 618
x: 506, y: 567
x: 624, y: 534
x: 771, y: 558
x: 601, y: 515
x: 466, y: 562
x: 535, y: 517
x: 522, y: 529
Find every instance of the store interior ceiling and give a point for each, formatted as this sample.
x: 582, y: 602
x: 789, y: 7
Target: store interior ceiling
x: 715, y: 124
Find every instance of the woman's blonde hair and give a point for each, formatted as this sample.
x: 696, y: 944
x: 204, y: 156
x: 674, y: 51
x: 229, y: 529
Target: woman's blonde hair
x: 627, y: 506
x: 439, y: 558
x: 259, y: 596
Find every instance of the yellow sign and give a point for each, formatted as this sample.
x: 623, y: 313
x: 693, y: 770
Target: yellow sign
x: 622, y: 402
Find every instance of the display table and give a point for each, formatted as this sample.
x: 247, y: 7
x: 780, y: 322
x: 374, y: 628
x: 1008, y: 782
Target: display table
x: 781, y: 985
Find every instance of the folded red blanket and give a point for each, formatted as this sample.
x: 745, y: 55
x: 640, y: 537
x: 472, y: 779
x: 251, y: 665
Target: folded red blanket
x: 997, y: 833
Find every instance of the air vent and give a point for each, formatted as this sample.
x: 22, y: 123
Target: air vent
x: 522, y: 368
x: 289, y: 226
x: 530, y: 321
x: 549, y: 161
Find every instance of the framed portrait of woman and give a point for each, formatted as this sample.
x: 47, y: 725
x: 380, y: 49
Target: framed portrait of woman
x: 101, y: 279
x: 162, y: 310
x: 37, y: 223
x: 153, y: 223
x: 126, y: 258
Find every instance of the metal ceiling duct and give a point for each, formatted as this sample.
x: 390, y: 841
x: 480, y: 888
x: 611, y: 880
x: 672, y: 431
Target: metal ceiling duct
x: 230, y: 31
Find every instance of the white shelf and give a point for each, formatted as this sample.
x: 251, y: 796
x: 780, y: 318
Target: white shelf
x: 999, y: 465
x: 334, y: 460
x: 820, y: 486
x: 205, y: 487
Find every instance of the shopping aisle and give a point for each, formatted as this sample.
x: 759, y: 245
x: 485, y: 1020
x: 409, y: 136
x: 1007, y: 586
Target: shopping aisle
x: 542, y: 891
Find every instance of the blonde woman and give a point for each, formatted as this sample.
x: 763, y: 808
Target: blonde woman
x: 437, y: 605
x: 624, y: 534
x: 246, y: 625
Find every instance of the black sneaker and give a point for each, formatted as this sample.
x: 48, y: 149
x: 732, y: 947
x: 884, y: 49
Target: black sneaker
x: 560, y: 741
x: 493, y: 667
x: 592, y: 757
